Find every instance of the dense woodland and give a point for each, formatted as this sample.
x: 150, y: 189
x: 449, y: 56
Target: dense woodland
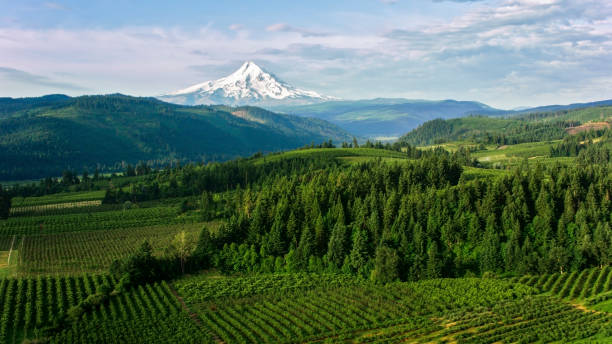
x: 388, y: 221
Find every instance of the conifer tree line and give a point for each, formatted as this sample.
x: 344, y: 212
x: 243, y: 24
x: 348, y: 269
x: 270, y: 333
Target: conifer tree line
x: 258, y: 170
x: 387, y: 221
x: 417, y: 220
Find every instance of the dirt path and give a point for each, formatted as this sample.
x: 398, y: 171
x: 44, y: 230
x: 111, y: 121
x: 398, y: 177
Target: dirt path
x: 11, y: 251
x: 192, y: 315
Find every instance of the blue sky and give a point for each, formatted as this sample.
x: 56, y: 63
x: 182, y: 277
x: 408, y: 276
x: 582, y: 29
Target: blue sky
x: 506, y: 53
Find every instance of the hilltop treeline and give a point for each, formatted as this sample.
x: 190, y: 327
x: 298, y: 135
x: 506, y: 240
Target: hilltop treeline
x: 44, y: 136
x: 591, y: 147
x: 411, y: 220
x: 255, y: 172
x: 486, y: 130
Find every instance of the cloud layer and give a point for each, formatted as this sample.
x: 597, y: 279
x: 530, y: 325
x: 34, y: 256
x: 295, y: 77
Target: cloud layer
x: 506, y: 53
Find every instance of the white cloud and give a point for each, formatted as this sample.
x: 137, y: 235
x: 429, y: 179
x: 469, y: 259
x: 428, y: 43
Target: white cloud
x: 509, y: 53
x: 283, y: 27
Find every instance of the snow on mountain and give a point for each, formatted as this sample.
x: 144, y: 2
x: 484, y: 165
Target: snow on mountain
x: 249, y: 85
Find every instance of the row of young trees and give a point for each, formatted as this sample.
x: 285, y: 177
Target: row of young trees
x: 72, y: 181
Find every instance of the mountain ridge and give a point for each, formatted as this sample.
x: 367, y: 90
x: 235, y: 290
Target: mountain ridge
x: 386, y: 117
x: 44, y: 136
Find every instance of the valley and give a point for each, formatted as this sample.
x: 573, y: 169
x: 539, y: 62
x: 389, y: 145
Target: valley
x: 306, y: 172
x: 485, y: 237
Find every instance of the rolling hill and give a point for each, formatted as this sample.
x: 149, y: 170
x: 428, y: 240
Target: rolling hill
x: 530, y: 127
x: 386, y: 118
x: 43, y: 136
x: 389, y: 118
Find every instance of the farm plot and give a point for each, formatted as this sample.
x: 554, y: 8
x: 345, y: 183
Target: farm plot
x: 462, y: 310
x: 147, y: 313
x: 585, y: 285
x: 78, y: 252
x: 53, y: 208
x: 107, y: 220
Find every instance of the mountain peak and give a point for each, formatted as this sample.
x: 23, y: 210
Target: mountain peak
x: 248, y: 85
x: 249, y: 67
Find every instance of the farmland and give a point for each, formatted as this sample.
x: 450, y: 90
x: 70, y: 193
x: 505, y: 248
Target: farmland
x: 346, y: 245
x: 296, y: 308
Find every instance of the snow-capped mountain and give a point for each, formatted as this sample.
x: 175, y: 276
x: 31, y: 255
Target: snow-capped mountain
x: 249, y: 85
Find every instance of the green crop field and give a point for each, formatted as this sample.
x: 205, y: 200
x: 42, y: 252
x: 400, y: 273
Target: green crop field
x: 296, y: 308
x: 452, y: 243
x: 76, y: 252
x: 312, y: 309
x: 340, y: 153
x: 149, y: 313
x: 68, y: 197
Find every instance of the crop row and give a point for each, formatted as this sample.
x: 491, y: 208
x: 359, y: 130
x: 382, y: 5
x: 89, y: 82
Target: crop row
x: 93, y: 251
x: 63, y: 197
x: 47, y: 209
x: 146, y: 314
x: 276, y: 313
x: 202, y: 288
x: 31, y: 303
x: 575, y: 285
x: 537, y: 319
x: 138, y: 217
x: 149, y: 311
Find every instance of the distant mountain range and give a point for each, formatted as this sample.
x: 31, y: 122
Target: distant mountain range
x: 249, y: 85
x: 387, y: 118
x: 382, y: 118
x: 391, y: 118
x: 43, y: 136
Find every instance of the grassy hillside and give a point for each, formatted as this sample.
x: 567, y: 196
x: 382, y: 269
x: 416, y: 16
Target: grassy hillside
x: 534, y: 127
x: 43, y: 136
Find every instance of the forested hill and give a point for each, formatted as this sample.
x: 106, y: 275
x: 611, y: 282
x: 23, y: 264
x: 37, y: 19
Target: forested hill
x: 532, y: 127
x: 43, y: 136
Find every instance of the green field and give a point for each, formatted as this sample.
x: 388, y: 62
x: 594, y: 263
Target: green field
x: 63, y: 245
x: 77, y: 252
x: 339, y: 153
x: 68, y: 197
x: 328, y: 308
x: 296, y: 308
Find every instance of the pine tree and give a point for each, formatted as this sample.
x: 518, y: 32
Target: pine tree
x: 337, y: 248
x: 206, y: 203
x: 293, y: 230
x: 513, y: 254
x: 360, y: 252
x: 386, y: 266
x: 602, y: 244
x: 205, y: 248
x: 321, y: 236
x: 434, y: 263
x: 305, y: 249
x: 490, y: 259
